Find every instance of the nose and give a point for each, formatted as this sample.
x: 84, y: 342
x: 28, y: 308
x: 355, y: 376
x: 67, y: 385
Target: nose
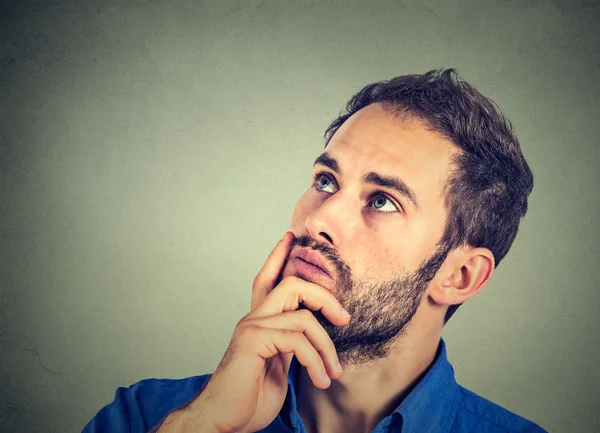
x: 331, y: 221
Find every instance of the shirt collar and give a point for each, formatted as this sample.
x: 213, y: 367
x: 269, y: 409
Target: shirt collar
x: 430, y: 406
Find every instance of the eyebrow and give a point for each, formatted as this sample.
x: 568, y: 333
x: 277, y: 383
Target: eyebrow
x: 327, y: 161
x: 373, y: 178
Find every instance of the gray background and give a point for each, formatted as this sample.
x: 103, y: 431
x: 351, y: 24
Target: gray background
x: 152, y: 151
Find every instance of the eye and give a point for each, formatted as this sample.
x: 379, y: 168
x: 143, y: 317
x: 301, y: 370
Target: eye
x: 383, y: 204
x: 324, y: 182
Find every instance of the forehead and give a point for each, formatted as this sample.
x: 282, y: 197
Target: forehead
x: 374, y: 140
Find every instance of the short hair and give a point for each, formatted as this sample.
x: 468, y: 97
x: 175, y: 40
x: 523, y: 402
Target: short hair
x: 486, y: 192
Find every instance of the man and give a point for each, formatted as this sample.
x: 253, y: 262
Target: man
x: 414, y: 202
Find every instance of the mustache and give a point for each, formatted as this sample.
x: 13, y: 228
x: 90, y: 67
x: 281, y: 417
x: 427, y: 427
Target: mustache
x: 329, y: 253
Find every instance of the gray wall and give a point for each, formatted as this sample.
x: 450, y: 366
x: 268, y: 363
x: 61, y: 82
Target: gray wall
x: 152, y: 151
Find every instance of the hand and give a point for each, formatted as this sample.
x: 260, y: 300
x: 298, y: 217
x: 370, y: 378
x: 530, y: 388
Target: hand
x: 248, y: 388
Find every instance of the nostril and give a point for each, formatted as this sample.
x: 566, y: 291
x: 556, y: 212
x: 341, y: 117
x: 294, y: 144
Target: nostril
x: 326, y: 236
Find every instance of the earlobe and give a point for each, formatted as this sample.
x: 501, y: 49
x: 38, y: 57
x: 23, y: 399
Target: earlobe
x: 470, y: 275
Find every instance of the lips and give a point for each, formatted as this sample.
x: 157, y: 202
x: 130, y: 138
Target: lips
x: 312, y: 257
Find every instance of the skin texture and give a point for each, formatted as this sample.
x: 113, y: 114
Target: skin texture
x: 379, y: 257
x: 381, y: 310
x: 386, y: 269
x: 248, y: 388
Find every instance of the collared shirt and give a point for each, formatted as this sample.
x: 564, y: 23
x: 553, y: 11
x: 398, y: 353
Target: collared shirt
x: 436, y: 404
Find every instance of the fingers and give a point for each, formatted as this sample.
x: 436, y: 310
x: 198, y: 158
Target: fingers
x: 276, y: 326
x: 304, y: 321
x: 267, y: 277
x: 293, y: 291
x: 268, y: 342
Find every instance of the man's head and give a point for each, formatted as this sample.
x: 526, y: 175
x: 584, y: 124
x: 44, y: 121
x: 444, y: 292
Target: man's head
x: 416, y: 199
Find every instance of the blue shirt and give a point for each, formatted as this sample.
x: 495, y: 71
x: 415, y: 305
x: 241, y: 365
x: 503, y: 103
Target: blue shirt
x: 436, y: 404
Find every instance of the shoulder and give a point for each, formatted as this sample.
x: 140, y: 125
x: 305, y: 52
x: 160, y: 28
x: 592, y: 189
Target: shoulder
x: 144, y: 404
x: 166, y: 389
x: 475, y: 413
x: 164, y: 395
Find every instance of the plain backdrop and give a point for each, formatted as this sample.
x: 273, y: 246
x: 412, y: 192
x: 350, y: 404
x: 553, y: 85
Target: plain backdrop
x: 152, y: 152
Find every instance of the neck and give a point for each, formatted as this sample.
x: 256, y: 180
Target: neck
x: 367, y: 393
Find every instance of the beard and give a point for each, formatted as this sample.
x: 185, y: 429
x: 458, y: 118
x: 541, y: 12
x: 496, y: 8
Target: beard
x: 380, y: 310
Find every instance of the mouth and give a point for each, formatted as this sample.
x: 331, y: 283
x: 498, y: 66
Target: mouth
x: 310, y: 260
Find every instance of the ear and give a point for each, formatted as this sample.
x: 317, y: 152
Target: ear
x: 463, y: 276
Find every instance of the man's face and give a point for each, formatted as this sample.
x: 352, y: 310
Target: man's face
x: 372, y: 219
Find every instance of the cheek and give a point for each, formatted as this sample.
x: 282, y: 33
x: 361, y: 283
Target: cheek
x: 383, y: 250
x: 304, y: 207
x: 382, y: 263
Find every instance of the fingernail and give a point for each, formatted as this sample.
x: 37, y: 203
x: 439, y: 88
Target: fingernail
x: 344, y: 312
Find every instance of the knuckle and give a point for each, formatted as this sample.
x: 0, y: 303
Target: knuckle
x: 246, y: 329
x: 290, y: 279
x: 256, y: 281
x: 247, y: 318
x: 297, y: 336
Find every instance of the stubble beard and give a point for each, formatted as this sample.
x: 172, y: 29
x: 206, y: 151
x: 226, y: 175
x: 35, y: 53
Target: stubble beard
x: 381, y: 311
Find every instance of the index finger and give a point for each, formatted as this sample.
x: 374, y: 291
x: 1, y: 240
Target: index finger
x: 267, y: 277
x: 293, y: 291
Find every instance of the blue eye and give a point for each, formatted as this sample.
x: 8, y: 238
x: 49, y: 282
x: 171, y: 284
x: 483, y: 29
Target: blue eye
x: 383, y: 204
x: 324, y: 183
x: 379, y: 201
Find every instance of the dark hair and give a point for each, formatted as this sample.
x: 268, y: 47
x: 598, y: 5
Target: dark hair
x: 486, y: 192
